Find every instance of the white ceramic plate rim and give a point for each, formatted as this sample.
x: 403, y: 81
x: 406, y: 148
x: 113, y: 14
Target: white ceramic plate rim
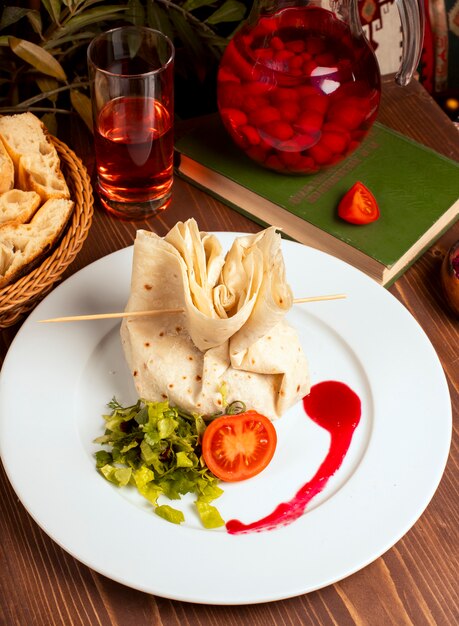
x: 402, y: 454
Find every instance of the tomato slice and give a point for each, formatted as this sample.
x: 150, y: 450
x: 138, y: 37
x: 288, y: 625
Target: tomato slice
x: 237, y: 447
x: 358, y: 205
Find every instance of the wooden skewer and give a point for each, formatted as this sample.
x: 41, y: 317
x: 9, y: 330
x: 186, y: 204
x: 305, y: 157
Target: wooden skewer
x: 105, y: 316
x: 333, y: 296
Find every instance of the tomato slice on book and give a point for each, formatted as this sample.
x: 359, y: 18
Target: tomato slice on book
x: 237, y: 447
x: 358, y: 205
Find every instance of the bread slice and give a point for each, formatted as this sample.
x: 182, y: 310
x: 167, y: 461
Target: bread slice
x: 34, y: 156
x: 17, y: 206
x: 22, y: 246
x: 6, y: 170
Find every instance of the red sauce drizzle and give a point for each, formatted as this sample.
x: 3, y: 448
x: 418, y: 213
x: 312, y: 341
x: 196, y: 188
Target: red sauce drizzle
x: 335, y: 407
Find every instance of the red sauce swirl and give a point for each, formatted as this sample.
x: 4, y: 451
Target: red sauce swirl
x: 336, y: 408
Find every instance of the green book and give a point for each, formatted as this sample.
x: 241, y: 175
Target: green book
x: 417, y: 191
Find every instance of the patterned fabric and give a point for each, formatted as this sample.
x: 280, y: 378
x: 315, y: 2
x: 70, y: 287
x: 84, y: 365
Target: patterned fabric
x: 439, y: 69
x: 440, y: 55
x: 439, y: 66
x: 381, y: 24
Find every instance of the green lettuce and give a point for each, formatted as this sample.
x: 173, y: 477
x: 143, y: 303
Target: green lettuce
x: 156, y: 449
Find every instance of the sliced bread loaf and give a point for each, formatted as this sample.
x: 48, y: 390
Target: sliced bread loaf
x: 34, y: 156
x: 17, y: 206
x: 22, y: 246
x: 6, y: 170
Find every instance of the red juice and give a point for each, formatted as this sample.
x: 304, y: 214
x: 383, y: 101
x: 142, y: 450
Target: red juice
x: 297, y: 92
x: 134, y: 147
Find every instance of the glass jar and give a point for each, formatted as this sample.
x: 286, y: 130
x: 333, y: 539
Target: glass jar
x: 298, y: 86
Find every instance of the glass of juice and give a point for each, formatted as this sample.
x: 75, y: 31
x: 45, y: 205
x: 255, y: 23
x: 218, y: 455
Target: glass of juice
x: 132, y: 90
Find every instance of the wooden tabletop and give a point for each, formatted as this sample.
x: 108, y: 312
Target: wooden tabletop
x: 413, y: 583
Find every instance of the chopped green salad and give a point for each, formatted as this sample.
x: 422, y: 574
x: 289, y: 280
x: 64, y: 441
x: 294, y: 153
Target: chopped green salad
x: 156, y: 448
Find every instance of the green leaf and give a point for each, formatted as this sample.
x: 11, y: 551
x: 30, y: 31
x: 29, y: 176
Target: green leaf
x: 123, y: 475
x: 143, y: 476
x: 11, y: 15
x: 150, y: 492
x: 34, y: 18
x: 210, y: 517
x: 151, y: 457
x: 119, y: 476
x: 74, y: 4
x: 83, y: 106
x: 48, y: 83
x: 183, y: 460
x: 192, y: 5
x: 200, y: 425
x: 166, y: 427
x: 103, y: 458
x: 84, y: 36
x: 158, y: 18
x: 168, y: 513
x: 192, y: 44
x: 230, y: 11
x: 54, y: 9
x: 40, y: 59
x: 158, y: 446
x: 91, y: 17
x: 135, y: 13
x: 209, y: 491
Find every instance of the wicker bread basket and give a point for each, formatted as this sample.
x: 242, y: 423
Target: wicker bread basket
x: 18, y: 298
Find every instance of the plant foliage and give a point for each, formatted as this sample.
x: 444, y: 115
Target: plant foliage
x: 43, y: 49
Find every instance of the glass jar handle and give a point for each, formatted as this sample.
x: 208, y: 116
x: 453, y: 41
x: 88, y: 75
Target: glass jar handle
x: 412, y: 21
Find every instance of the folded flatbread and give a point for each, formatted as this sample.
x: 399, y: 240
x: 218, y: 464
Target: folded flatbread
x: 230, y: 341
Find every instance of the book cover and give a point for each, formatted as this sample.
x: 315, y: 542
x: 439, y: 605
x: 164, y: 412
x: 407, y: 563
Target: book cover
x: 416, y: 188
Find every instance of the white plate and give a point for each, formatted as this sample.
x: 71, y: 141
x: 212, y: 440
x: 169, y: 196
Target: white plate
x: 57, y: 379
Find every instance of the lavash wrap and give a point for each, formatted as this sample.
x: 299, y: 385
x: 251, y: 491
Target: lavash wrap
x: 231, y: 335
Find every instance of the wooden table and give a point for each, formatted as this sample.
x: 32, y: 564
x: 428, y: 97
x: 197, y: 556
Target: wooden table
x: 415, y: 582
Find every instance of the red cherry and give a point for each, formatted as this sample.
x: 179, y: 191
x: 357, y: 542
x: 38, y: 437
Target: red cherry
x: 230, y: 95
x: 241, y: 67
x: 334, y: 142
x: 304, y: 165
x: 256, y: 88
x: 320, y: 154
x: 309, y: 122
x: 296, y: 63
x: 309, y: 67
x: 306, y: 56
x: 307, y: 90
x: 256, y: 153
x: 264, y: 116
x: 315, y: 45
x: 289, y: 111
x: 326, y: 59
x: 283, y: 55
x: 297, y: 45
x: 315, y: 102
x: 279, y: 130
x: 263, y: 54
x: 283, y: 94
x: 226, y: 75
x: 290, y: 158
x: 235, y: 117
x: 253, y: 103
x: 346, y: 116
x: 276, y: 43
x: 250, y: 134
x: 274, y: 163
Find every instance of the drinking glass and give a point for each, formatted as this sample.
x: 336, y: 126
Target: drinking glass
x: 132, y: 89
